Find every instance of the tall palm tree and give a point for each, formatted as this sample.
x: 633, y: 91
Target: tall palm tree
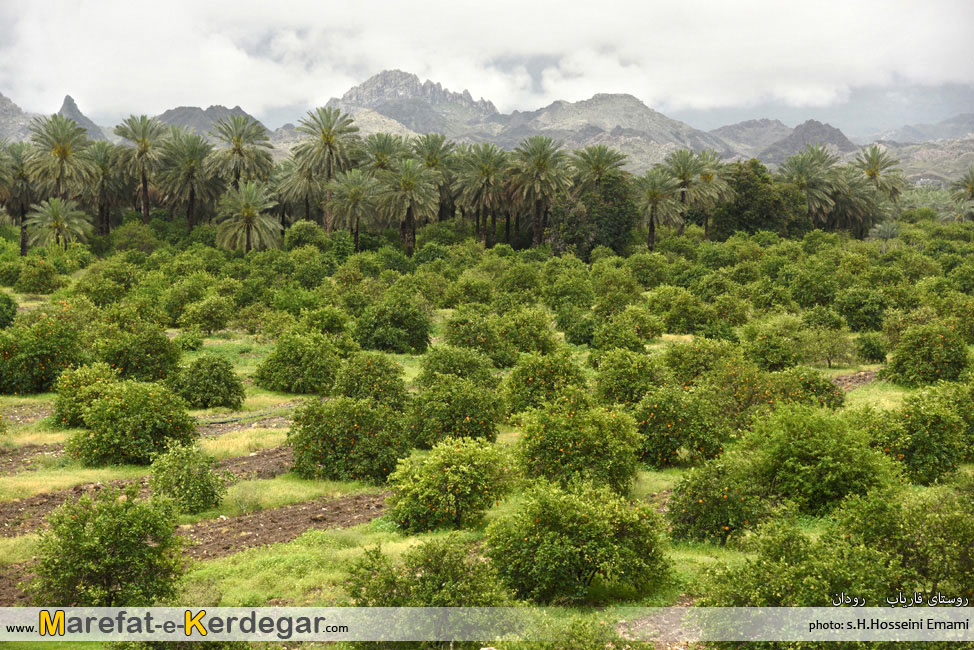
x: 21, y: 189
x: 141, y: 152
x: 480, y: 182
x: 59, y: 160
x: 855, y: 201
x: 57, y: 221
x: 880, y: 168
x: 299, y: 184
x: 185, y: 173
x: 327, y: 150
x: 540, y: 171
x: 686, y: 168
x: 353, y: 198
x: 437, y: 154
x: 657, y: 194
x: 812, y: 172
x: 242, y: 152
x: 243, y: 219
x: 964, y: 186
x: 715, y: 187
x: 383, y: 151
x: 408, y: 191
x: 107, y: 183
x: 596, y: 163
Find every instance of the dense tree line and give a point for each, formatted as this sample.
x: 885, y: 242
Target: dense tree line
x: 61, y: 187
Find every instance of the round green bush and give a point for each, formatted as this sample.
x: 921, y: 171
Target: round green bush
x: 528, y: 329
x: 556, y: 544
x: 327, y: 320
x: 632, y: 328
x: 37, y: 275
x: 145, y: 354
x: 346, y: 439
x: 564, y: 443
x: 394, y: 325
x: 108, y: 281
x: 689, y: 361
x: 129, y: 423
x: 539, y: 378
x: 451, y: 487
x: 143, y: 566
x: 803, y: 385
x: 305, y: 233
x: 300, y: 363
x: 862, y: 308
x: 209, y: 381
x: 78, y: 387
x: 453, y: 407
x: 185, y: 474
x: 624, y: 377
x: 926, y: 354
x: 775, y: 344
x: 8, y: 309
x: 466, y: 363
x: 34, y: 353
x: 372, y: 375
x: 577, y: 324
x: 470, y: 327
x: 676, y: 425
x: 189, y: 340
x: 9, y: 273
x: 209, y: 314
x: 871, y: 347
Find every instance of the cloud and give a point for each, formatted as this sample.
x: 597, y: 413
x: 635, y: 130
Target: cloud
x: 117, y: 57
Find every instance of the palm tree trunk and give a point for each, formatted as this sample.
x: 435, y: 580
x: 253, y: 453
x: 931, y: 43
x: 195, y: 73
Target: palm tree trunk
x: 23, y: 229
x: 706, y: 227
x: 410, y: 231
x: 507, y: 227
x: 236, y: 179
x: 517, y: 223
x: 683, y: 220
x: 247, y: 247
x: 355, y: 236
x: 307, y: 207
x: 493, y: 228
x: 538, y: 225
x: 483, y: 232
x: 651, y: 240
x: 191, y: 208
x: 145, y: 198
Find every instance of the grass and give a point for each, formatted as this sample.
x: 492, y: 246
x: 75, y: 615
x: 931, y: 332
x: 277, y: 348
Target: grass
x: 880, y: 394
x: 243, y: 442
x: 49, y: 479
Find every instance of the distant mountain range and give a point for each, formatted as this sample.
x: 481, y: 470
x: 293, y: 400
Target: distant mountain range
x: 398, y: 102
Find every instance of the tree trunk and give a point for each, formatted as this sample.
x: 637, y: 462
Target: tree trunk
x: 410, y: 231
x: 493, y: 228
x: 355, y: 236
x: 683, y: 216
x: 507, y: 227
x: 236, y: 179
x: 191, y: 208
x: 247, y: 247
x: 651, y: 240
x: 538, y: 225
x: 483, y: 232
x: 307, y: 207
x: 23, y: 230
x: 706, y: 227
x: 476, y: 216
x: 145, y: 198
x: 326, y: 212
x: 517, y: 223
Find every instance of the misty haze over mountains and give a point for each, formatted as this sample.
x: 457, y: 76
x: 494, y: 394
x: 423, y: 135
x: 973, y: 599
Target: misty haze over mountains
x: 399, y: 102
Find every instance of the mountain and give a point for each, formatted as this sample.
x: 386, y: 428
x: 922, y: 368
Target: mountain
x: 196, y: 119
x: 14, y: 121
x: 70, y: 110
x: 367, y: 121
x: 751, y: 137
x: 958, y: 127
x: 811, y: 132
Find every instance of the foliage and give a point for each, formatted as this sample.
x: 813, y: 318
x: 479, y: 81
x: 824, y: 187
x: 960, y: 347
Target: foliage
x: 624, y: 377
x: 109, y: 550
x: 78, y: 387
x: 632, y: 328
x: 451, y: 487
x: 461, y: 362
x: 803, y: 385
x: 554, y: 546
x: 774, y: 344
x: 346, y: 439
x: 453, y: 407
x: 185, y: 474
x: 528, y: 330
x: 209, y: 314
x: 35, y: 352
x: 395, y: 325
x: 675, y: 425
x: 689, y: 361
x: 927, y: 353
x: 300, y: 363
x: 145, y: 354
x: 871, y: 348
x: 470, y: 327
x: 539, y: 378
x: 8, y: 309
x: 189, y: 340
x: 374, y: 376
x: 37, y: 275
x: 209, y: 381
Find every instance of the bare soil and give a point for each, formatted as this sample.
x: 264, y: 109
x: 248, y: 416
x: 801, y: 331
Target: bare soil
x: 26, y: 413
x: 27, y: 457
x: 854, y: 380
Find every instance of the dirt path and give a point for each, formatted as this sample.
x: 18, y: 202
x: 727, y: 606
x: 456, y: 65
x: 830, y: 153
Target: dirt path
x: 854, y: 380
x: 663, y: 627
x: 24, y: 516
x: 26, y: 413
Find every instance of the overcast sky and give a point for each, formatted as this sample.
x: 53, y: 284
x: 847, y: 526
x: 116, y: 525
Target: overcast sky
x: 685, y: 58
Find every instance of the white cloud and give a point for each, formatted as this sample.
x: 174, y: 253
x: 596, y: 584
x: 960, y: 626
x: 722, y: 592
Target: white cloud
x: 117, y: 57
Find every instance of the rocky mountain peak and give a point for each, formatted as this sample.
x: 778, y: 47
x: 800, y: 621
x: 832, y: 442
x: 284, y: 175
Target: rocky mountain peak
x: 396, y: 85
x: 14, y: 121
x: 811, y: 132
x: 69, y: 109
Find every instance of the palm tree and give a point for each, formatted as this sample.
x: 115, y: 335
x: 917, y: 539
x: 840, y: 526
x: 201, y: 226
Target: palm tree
x: 714, y: 187
x: 327, y: 150
x: 243, y: 219
x: 58, y: 159
x: 185, y: 173
x: 480, y: 182
x: 964, y: 186
x: 855, y: 201
x: 21, y: 188
x: 812, y: 172
x: 540, y: 171
x: 408, y: 191
x: 596, y: 163
x: 59, y: 221
x: 144, y: 135
x: 107, y: 183
x: 242, y: 155
x: 382, y: 152
x: 686, y: 168
x: 437, y: 154
x: 880, y: 168
x: 657, y: 193
x: 353, y: 198
x: 298, y: 183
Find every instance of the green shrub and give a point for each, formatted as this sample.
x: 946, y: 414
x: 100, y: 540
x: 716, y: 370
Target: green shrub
x: 926, y: 354
x: 209, y: 314
x: 395, y: 325
x: 372, y: 375
x: 624, y: 377
x: 453, y: 407
x: 189, y: 340
x: 862, y: 308
x: 185, y: 474
x: 820, y: 345
x: 649, y: 269
x: 682, y: 312
x: 327, y: 320
x: 144, y: 564
x: 300, y: 363
x: 34, y: 353
x: 78, y: 387
x: 440, y: 572
x: 716, y: 500
x: 632, y: 328
x: 564, y: 443
x: 689, y: 361
x: 9, y: 273
x: 539, y: 378
x: 145, y: 354
x: 775, y: 344
x: 871, y: 348
x: 129, y: 423
x: 135, y: 236
x: 577, y: 324
x: 209, y: 381
x: 466, y: 363
x: 528, y: 329
x: 676, y: 425
x: 346, y: 439
x: 8, y: 309
x: 451, y: 487
x: 897, y: 321
x: 470, y: 327
x: 555, y: 545
x: 37, y: 275
x: 305, y: 233
x: 803, y: 385
x: 108, y: 281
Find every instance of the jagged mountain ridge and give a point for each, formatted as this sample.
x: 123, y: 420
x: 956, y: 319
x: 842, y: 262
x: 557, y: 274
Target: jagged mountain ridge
x: 957, y: 127
x: 69, y: 109
x: 750, y: 137
x: 811, y: 132
x: 14, y: 121
x: 196, y: 119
